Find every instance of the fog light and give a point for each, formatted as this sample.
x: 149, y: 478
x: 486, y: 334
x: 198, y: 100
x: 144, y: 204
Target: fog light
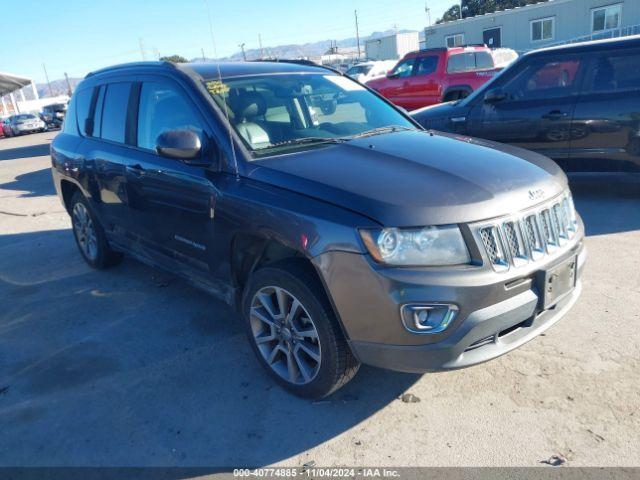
x: 428, y: 318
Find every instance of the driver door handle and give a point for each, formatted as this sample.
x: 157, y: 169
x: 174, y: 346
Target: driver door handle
x: 555, y: 115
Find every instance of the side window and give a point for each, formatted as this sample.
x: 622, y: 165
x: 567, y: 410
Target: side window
x: 426, y: 65
x: 403, y: 69
x: 615, y: 73
x: 461, y: 62
x: 114, y: 111
x: 484, y: 61
x: 548, y: 78
x: 70, y: 123
x: 162, y: 108
x: 83, y: 106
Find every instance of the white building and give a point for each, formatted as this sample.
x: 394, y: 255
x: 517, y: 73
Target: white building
x: 540, y: 24
x: 392, y: 47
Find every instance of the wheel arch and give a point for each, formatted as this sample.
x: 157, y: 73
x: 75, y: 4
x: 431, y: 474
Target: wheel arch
x: 250, y: 252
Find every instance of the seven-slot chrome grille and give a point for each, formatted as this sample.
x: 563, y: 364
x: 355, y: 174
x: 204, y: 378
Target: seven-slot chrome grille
x: 517, y: 240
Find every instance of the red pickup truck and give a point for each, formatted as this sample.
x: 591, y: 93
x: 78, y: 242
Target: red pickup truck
x: 436, y: 75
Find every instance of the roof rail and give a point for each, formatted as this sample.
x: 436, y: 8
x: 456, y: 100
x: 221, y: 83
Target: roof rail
x: 123, y: 66
x: 295, y: 61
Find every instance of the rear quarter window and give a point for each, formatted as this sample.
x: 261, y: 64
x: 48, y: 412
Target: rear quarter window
x: 470, y: 62
x: 82, y: 108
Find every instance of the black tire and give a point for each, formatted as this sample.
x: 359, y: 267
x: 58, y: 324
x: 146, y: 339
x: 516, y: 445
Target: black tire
x: 101, y: 256
x: 337, y: 365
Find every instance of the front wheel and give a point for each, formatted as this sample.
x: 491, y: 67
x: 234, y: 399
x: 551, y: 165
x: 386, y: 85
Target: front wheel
x: 89, y: 234
x: 294, y: 332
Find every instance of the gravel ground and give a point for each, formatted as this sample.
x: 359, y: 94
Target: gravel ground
x: 133, y: 367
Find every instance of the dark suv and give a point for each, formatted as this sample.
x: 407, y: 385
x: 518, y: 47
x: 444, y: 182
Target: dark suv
x: 578, y: 104
x: 340, y: 230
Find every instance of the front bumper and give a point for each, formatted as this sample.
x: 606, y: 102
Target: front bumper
x: 498, y: 312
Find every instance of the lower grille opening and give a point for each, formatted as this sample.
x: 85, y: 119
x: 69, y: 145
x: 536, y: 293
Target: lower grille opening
x: 480, y: 343
x: 512, y: 329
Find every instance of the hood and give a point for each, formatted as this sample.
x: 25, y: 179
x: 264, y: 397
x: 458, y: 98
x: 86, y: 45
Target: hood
x: 416, y: 178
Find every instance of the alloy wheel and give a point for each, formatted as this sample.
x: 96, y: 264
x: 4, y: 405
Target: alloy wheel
x: 85, y: 231
x: 285, y: 335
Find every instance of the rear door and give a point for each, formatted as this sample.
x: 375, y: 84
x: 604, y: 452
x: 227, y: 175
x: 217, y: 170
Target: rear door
x: 102, y: 114
x: 605, y: 131
x: 172, y: 203
x: 540, y: 97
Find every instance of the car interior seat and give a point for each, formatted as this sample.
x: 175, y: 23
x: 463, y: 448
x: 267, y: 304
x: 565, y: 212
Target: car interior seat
x: 247, y: 107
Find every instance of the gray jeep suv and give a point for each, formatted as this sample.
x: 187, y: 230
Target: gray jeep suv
x: 340, y: 230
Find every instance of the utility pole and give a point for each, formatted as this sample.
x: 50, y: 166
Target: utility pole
x: 357, y: 33
x: 460, y: 9
x: 203, y: 58
x: 156, y: 53
x: 66, y: 77
x: 260, y: 43
x: 427, y: 11
x: 144, y: 57
x: 244, y: 55
x: 46, y: 75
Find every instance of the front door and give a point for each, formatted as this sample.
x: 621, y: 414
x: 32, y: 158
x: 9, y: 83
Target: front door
x: 492, y: 37
x: 537, y: 108
x: 171, y: 203
x: 423, y: 88
x: 396, y: 87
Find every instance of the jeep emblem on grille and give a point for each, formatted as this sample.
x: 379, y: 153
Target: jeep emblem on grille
x: 537, y: 194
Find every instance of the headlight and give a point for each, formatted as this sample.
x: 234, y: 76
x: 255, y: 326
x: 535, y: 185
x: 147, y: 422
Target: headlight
x: 429, y: 246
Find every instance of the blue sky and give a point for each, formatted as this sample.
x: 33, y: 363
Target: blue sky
x: 77, y: 36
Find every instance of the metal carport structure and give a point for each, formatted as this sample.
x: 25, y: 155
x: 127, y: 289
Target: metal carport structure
x: 10, y: 83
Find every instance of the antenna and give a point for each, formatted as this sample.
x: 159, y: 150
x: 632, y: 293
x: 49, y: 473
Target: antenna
x: 224, y: 100
x: 144, y: 56
x: 357, y: 33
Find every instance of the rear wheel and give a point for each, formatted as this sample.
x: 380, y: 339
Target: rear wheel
x: 89, y: 234
x: 294, y: 333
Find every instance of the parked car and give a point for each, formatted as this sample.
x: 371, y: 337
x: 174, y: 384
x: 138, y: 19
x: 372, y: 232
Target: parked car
x: 578, y: 104
x: 26, y: 123
x: 436, y: 75
x: 6, y: 127
x: 340, y: 230
x: 365, y: 71
x: 54, y: 114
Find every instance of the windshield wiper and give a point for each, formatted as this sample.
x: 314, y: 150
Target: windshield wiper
x: 381, y: 130
x: 306, y: 140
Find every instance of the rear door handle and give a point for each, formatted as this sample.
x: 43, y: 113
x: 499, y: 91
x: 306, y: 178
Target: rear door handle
x: 136, y: 169
x: 555, y: 115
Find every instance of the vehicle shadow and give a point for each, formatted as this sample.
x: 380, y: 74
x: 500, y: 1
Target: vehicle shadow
x: 133, y: 367
x: 607, y: 205
x: 33, y: 184
x: 39, y: 150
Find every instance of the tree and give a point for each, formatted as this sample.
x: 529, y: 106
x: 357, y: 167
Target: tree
x: 174, y: 59
x: 471, y: 8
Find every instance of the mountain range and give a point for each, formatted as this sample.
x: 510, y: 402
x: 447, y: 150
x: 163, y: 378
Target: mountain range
x: 294, y: 50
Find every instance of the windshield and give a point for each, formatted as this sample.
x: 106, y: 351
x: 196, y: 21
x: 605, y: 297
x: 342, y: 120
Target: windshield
x: 272, y: 113
x: 25, y: 116
x: 356, y: 69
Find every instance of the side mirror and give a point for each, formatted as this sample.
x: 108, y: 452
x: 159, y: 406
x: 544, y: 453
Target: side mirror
x: 495, y: 95
x: 182, y: 145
